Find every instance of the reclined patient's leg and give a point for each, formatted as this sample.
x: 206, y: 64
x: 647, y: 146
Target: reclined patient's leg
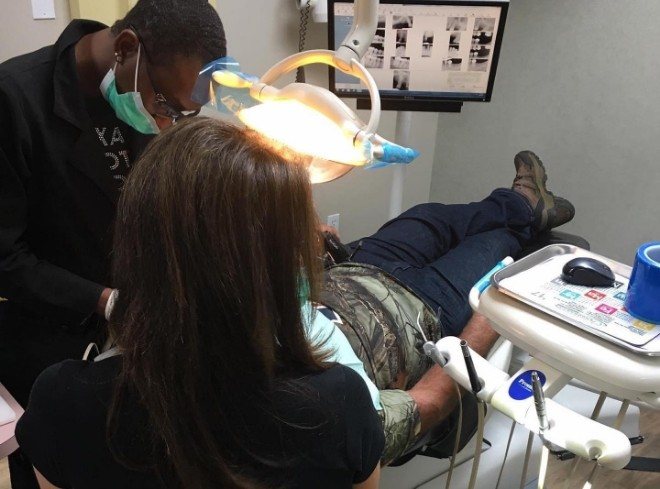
x: 426, y: 232
x: 446, y: 282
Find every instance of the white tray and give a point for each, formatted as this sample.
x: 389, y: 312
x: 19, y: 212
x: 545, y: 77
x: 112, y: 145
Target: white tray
x: 647, y: 345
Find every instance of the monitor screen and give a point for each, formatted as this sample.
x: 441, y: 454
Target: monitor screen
x: 425, y: 49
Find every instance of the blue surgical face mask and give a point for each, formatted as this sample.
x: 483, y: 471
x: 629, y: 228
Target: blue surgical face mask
x: 128, y: 106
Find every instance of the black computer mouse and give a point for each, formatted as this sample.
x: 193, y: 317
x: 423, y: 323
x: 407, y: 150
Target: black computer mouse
x: 588, y: 272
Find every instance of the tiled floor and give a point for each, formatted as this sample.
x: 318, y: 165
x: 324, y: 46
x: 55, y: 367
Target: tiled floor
x: 622, y: 479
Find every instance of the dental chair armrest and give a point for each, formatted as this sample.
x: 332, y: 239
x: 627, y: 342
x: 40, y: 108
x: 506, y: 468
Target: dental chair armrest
x: 484, y: 283
x: 553, y: 237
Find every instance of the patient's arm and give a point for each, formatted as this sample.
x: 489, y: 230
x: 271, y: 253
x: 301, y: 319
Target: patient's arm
x: 435, y: 394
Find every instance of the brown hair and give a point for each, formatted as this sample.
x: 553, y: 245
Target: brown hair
x: 215, y: 238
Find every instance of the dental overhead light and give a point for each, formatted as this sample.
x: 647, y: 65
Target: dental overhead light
x: 312, y: 120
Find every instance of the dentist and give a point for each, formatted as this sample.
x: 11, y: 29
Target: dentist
x: 74, y: 117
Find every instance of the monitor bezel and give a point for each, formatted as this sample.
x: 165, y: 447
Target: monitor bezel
x: 433, y: 96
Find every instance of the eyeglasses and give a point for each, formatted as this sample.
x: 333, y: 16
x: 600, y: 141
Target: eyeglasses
x: 167, y: 111
x: 163, y: 109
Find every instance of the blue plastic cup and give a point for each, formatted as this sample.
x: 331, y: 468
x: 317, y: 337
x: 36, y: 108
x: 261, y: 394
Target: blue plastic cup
x: 643, y: 296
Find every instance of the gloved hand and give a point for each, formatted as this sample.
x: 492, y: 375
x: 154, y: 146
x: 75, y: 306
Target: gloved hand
x: 110, y: 304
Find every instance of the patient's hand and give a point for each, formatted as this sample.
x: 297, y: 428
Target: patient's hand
x: 435, y: 393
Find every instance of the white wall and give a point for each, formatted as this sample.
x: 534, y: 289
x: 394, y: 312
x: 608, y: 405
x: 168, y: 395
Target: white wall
x: 578, y: 84
x: 21, y: 34
x: 264, y: 32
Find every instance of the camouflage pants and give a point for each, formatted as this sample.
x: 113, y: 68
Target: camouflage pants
x: 379, y: 316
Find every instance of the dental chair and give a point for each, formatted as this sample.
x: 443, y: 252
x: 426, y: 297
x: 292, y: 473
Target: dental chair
x: 412, y: 471
x: 570, y: 332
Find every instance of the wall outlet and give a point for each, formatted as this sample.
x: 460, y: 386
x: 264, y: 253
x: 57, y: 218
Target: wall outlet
x: 43, y: 9
x: 333, y: 220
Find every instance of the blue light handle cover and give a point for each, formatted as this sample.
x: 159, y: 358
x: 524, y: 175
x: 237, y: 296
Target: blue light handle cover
x: 643, y: 296
x: 484, y: 282
x: 392, y: 153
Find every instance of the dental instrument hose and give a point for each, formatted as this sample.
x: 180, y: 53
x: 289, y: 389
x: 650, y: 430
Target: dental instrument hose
x: 475, y: 385
x: 506, y: 454
x: 543, y: 466
x: 541, y: 412
x: 457, y: 441
x: 528, y: 453
x: 617, y: 424
x: 540, y: 407
x: 594, y: 416
x: 478, y: 447
x: 431, y: 350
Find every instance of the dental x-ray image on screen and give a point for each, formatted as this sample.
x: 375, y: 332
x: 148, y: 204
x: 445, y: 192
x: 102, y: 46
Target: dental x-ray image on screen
x: 432, y: 50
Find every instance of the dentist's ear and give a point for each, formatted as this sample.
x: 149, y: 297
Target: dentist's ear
x: 125, y: 45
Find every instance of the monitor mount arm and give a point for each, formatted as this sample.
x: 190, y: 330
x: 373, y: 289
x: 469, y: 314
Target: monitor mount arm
x: 346, y: 58
x: 365, y: 21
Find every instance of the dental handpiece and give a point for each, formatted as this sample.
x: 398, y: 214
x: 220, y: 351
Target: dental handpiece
x: 539, y: 402
x: 429, y: 347
x: 432, y: 351
x: 475, y: 383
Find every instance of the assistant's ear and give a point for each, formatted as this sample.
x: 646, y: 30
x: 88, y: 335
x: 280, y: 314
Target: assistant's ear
x: 125, y: 45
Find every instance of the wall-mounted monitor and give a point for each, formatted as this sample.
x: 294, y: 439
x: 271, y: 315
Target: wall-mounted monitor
x: 426, y: 54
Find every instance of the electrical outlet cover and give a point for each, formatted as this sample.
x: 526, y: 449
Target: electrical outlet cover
x: 43, y: 9
x: 333, y: 220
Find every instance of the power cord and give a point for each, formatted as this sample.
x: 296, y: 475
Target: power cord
x: 302, y: 34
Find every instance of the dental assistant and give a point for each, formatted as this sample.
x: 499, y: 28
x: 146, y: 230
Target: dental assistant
x: 74, y: 117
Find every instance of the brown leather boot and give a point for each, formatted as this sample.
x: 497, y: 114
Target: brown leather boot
x: 550, y: 211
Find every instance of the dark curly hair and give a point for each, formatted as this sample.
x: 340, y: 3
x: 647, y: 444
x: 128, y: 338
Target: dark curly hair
x: 172, y: 28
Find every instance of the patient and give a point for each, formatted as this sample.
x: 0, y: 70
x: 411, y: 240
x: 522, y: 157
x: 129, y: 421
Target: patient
x: 423, y: 264
x: 213, y: 382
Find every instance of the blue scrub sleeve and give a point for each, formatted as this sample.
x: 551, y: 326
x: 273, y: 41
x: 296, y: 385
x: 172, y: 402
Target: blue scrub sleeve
x: 322, y: 331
